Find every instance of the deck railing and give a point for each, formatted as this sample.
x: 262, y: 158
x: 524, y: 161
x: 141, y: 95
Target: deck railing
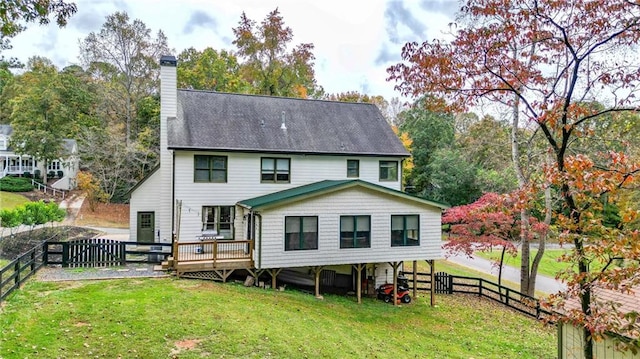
x: 213, y: 250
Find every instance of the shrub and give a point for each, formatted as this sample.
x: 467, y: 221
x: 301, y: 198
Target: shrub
x: 15, y: 184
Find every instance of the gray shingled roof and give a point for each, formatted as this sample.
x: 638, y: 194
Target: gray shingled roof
x: 67, y: 144
x: 6, y: 130
x: 236, y: 122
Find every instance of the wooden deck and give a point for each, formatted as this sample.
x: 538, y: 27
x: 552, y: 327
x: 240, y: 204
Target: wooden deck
x: 211, y: 259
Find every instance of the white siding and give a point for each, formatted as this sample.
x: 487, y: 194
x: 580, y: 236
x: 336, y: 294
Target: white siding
x: 168, y: 109
x: 270, y: 252
x: 145, y: 198
x: 243, y: 181
x: 571, y: 339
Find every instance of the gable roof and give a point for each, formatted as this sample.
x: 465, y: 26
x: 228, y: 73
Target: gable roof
x: 69, y: 147
x: 250, y: 123
x: 324, y: 187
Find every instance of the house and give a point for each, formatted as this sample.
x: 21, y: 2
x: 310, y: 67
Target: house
x: 571, y: 337
x: 64, y: 169
x: 292, y: 187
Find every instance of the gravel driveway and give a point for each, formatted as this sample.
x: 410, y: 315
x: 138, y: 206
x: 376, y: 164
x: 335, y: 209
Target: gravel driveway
x: 56, y: 274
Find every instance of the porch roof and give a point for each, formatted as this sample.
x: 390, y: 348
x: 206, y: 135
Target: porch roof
x: 324, y: 187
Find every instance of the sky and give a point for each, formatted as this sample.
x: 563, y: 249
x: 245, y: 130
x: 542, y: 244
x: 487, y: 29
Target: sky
x: 355, y: 40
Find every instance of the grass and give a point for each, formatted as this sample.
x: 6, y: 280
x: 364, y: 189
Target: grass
x: 455, y: 269
x: 9, y: 200
x: 549, y: 264
x: 159, y: 318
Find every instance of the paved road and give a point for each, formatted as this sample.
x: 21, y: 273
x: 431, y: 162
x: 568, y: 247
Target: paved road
x: 543, y: 283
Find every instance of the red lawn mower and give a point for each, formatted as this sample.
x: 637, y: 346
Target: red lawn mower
x: 385, y: 291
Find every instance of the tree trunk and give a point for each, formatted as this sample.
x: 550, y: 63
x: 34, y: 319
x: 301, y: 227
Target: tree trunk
x: 526, y: 285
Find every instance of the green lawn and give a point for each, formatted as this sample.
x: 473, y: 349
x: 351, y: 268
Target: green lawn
x: 9, y: 200
x: 161, y: 318
x: 549, y: 264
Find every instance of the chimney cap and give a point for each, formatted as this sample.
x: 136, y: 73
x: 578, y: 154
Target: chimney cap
x: 168, y: 60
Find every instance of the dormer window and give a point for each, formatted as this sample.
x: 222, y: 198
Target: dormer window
x: 3, y: 144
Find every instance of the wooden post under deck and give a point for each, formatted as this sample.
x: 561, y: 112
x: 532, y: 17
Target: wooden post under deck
x: 395, y: 266
x: 359, y: 267
x: 432, y: 264
x: 317, y: 271
x: 274, y: 274
x: 415, y: 279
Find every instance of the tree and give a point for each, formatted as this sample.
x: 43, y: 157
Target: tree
x: 453, y: 180
x: 15, y: 13
x: 210, y: 70
x: 491, y: 221
x: 125, y: 57
x: 267, y: 65
x: 46, y: 108
x: 544, y: 59
x: 428, y: 131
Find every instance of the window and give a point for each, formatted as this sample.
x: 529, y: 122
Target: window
x: 300, y: 233
x: 388, y: 170
x: 405, y: 230
x: 353, y: 168
x: 54, y: 166
x: 274, y: 170
x: 218, y: 220
x: 355, y: 232
x: 3, y: 144
x: 209, y: 168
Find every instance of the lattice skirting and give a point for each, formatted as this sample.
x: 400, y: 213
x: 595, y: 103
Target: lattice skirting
x: 217, y: 275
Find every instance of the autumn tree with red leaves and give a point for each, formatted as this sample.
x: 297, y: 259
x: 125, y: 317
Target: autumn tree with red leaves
x: 493, y: 221
x: 547, y: 60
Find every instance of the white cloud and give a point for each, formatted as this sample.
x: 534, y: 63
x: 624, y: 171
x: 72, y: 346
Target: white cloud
x: 352, y: 40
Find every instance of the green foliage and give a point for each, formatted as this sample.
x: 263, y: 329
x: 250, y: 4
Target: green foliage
x: 453, y: 178
x: 32, y: 213
x: 15, y: 184
x: 210, y: 70
x: 428, y: 132
x: 10, y: 218
x: 268, y: 66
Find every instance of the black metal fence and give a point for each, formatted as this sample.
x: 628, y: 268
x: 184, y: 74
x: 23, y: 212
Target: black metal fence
x: 449, y: 284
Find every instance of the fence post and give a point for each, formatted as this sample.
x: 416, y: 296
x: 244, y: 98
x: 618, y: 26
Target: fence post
x: 480, y: 287
x: 450, y: 277
x: 32, y: 256
x: 16, y: 269
x: 45, y: 253
x: 65, y: 255
x: 123, y: 254
x: 508, y: 295
x: 537, y: 309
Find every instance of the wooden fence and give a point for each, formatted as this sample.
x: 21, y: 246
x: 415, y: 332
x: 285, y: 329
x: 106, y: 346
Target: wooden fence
x: 80, y: 253
x: 450, y: 284
x: 17, y: 271
x: 98, y: 252
x: 48, y: 190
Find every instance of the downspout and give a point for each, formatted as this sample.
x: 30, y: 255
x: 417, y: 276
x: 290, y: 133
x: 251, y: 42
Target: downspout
x: 173, y: 197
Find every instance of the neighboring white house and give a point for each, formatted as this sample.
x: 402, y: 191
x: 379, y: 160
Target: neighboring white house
x: 310, y: 183
x: 64, y: 169
x: 571, y: 337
